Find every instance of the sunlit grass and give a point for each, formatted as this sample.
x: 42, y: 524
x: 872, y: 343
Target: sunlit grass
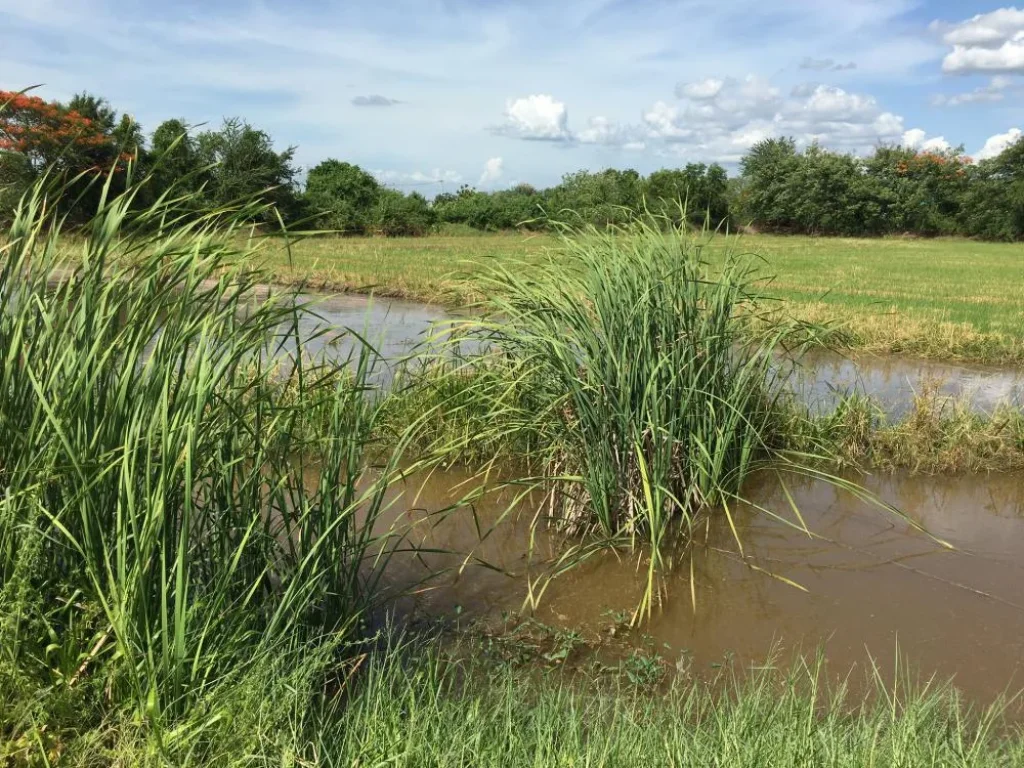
x: 171, y: 527
x: 940, y: 298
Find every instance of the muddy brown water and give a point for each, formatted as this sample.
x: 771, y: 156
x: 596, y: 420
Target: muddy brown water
x: 876, y: 587
x: 873, y: 586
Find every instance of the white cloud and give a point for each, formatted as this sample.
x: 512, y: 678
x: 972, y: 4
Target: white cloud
x: 829, y: 103
x: 664, y: 122
x: 996, y: 144
x: 913, y: 138
x: 701, y: 89
x: 825, y: 65
x: 744, y: 112
x: 986, y: 94
x: 984, y: 29
x: 416, y: 178
x: 494, y: 169
x: 1009, y: 57
x: 538, y: 117
x: 601, y: 130
x: 916, y: 138
x: 986, y: 42
x: 374, y: 100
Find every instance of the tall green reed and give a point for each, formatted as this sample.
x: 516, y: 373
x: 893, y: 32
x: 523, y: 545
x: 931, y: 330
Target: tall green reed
x: 185, y: 495
x: 646, y: 373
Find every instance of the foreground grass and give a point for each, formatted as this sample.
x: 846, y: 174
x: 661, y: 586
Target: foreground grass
x: 938, y: 298
x: 411, y: 707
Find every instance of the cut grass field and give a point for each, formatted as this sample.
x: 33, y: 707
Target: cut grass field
x: 949, y: 299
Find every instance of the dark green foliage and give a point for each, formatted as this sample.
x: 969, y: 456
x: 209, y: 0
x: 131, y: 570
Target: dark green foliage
x: 342, y: 197
x: 175, y: 158
x: 398, y: 214
x: 16, y: 175
x: 767, y: 170
x: 245, y: 164
x: 608, y: 197
x: 995, y: 199
x: 896, y: 190
x: 698, y: 189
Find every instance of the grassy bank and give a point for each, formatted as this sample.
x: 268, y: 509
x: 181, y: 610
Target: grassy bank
x: 416, y: 707
x: 937, y: 298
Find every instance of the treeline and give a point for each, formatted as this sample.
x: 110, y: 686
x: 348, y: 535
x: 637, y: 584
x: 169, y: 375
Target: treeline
x: 895, y: 190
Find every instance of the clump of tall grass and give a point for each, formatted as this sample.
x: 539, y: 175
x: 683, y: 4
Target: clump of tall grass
x: 938, y: 435
x: 654, y: 387
x: 171, y: 523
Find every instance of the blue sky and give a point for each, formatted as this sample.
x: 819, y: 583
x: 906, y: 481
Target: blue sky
x: 433, y: 93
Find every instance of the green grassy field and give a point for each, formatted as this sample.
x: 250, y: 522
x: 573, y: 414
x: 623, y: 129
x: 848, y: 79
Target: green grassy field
x: 941, y: 298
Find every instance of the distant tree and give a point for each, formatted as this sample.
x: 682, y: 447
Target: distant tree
x: 926, y: 190
x: 767, y: 171
x: 244, y: 164
x: 397, y: 214
x: 698, y: 188
x: 608, y: 197
x: 175, y: 158
x: 48, y: 134
x: 994, y: 202
x: 342, y: 196
x: 16, y: 175
x: 78, y: 147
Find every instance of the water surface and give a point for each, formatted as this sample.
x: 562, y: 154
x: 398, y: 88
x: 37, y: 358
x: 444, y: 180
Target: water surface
x: 875, y: 585
x: 398, y: 328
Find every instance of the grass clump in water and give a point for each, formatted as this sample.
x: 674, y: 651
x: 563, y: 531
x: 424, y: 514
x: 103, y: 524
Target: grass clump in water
x: 650, y: 376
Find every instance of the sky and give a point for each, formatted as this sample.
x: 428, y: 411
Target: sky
x: 432, y: 94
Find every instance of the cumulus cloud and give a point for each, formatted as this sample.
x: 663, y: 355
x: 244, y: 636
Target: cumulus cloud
x: 537, y: 117
x: 828, y: 103
x: 701, y: 89
x: 601, y: 130
x: 494, y: 169
x: 825, y: 65
x: 417, y: 178
x: 719, y: 119
x: 916, y: 138
x: 994, y: 91
x: 374, y: 100
x: 986, y: 42
x: 996, y: 144
x: 541, y: 118
x: 743, y: 112
x: 983, y: 29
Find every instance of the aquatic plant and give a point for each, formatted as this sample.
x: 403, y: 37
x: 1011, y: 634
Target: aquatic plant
x: 647, y: 377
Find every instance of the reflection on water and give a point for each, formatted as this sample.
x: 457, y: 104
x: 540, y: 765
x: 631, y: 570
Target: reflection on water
x: 874, y: 582
x: 893, y: 382
x: 397, y: 328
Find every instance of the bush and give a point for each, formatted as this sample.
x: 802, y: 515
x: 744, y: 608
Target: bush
x: 342, y: 197
x: 397, y: 214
